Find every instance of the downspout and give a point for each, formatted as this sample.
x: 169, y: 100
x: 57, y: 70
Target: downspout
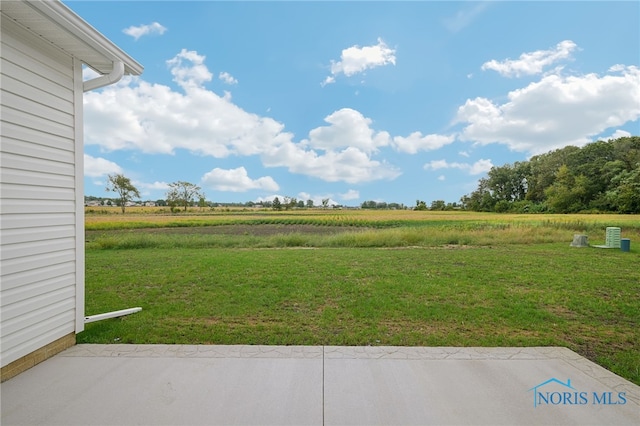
x: 114, y: 314
x: 104, y: 80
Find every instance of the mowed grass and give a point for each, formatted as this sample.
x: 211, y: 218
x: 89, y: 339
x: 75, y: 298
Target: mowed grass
x: 445, y: 284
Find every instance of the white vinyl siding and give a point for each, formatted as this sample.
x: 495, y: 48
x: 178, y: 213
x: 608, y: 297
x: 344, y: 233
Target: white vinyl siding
x: 39, y: 256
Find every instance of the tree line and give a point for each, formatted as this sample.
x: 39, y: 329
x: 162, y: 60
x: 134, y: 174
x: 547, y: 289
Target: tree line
x: 602, y: 176
x: 436, y: 205
x: 291, y: 202
x: 179, y: 195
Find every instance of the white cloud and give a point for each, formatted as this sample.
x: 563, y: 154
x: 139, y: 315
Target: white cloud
x: 531, y: 62
x: 227, y: 78
x: 139, y: 31
x: 349, y: 165
x: 554, y: 112
x: 97, y: 167
x: 479, y: 167
x: 348, y: 128
x: 237, y: 180
x: 351, y: 194
x: 153, y: 118
x: 356, y: 59
x: 304, y: 196
x: 188, y: 69
x: 341, y: 151
x: 155, y: 186
x: 617, y: 134
x: 147, y: 188
x: 464, y: 154
x: 328, y: 80
x: 443, y: 164
x: 441, y: 178
x: 416, y: 142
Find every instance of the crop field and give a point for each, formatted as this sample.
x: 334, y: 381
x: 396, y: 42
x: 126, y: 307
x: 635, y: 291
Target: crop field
x: 360, y: 277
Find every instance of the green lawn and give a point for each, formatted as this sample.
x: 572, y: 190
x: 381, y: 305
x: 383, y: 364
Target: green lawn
x: 538, y: 294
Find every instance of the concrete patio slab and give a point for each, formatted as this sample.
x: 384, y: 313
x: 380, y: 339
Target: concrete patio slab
x: 314, y: 385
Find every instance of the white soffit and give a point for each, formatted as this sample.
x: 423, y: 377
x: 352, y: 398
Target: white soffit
x: 59, y: 25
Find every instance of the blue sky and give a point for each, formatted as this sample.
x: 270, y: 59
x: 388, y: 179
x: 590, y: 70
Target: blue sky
x: 354, y: 101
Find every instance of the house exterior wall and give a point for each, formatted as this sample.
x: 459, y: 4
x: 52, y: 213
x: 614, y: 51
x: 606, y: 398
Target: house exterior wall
x: 41, y: 215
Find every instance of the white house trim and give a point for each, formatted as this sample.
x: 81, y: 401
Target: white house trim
x: 78, y: 90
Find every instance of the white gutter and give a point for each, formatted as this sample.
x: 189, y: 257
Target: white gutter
x: 105, y: 80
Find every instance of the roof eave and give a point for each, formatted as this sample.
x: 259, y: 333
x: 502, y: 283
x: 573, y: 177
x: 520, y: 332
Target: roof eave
x: 79, y: 28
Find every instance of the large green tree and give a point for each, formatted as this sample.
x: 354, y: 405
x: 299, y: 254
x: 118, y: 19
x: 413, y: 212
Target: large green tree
x: 542, y: 172
x: 625, y: 193
x: 481, y: 199
x: 602, y: 176
x: 508, y: 183
x: 122, y: 185
x: 568, y: 193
